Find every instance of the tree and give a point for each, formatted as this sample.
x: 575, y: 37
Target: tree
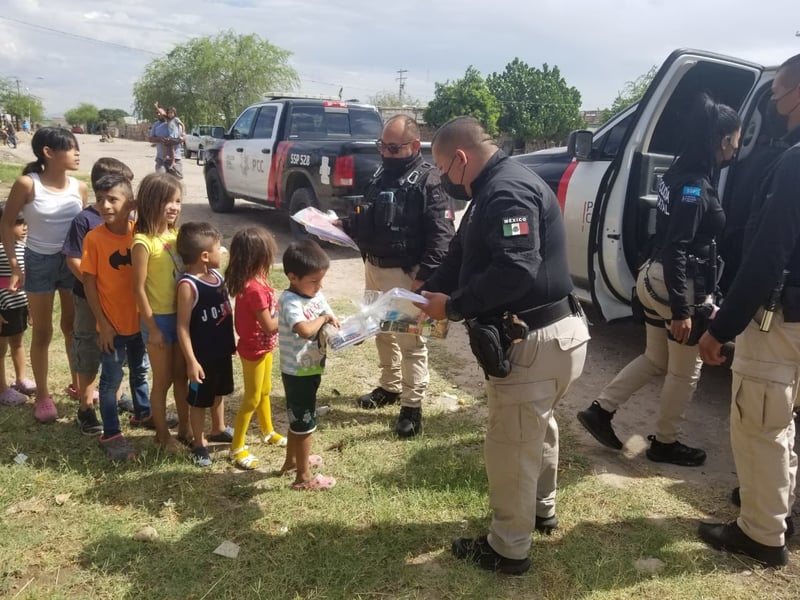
x: 209, y: 79
x: 22, y: 106
x: 111, y: 114
x: 84, y: 114
x: 466, y: 96
x: 536, y: 104
x: 385, y: 98
x: 630, y: 93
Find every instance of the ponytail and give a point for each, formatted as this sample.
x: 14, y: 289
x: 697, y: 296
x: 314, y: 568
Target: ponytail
x: 54, y: 138
x: 36, y: 166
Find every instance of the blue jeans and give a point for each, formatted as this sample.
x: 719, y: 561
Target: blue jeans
x: 111, y: 376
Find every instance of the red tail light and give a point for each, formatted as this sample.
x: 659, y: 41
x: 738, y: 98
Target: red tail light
x: 344, y: 171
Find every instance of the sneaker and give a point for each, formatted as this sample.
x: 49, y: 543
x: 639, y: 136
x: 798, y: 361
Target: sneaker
x: 377, y: 398
x: 200, y: 457
x: 88, y: 423
x: 125, y: 404
x: 409, y: 423
x: 546, y: 525
x: 147, y: 422
x: 44, y: 410
x: 25, y: 386
x: 736, y: 499
x: 12, y: 397
x: 675, y: 453
x: 597, y: 421
x: 117, y: 447
x: 730, y: 537
x: 481, y: 553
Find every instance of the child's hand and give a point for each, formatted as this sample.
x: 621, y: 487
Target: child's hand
x: 105, y: 338
x: 195, y: 372
x: 2, y: 320
x: 17, y: 280
x: 332, y: 320
x: 156, y: 338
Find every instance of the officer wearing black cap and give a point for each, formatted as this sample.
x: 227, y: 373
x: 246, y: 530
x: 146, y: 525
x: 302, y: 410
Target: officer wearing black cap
x: 762, y: 312
x: 403, y: 229
x: 506, y: 274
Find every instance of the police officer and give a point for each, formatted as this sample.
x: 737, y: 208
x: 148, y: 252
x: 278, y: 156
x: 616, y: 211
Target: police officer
x: 403, y: 230
x: 766, y: 367
x: 509, y: 255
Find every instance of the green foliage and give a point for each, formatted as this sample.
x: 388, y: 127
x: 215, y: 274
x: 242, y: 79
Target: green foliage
x: 211, y: 79
x: 536, y: 104
x: 630, y: 93
x: 19, y: 105
x: 83, y: 114
x: 391, y: 99
x: 111, y: 114
x: 467, y: 96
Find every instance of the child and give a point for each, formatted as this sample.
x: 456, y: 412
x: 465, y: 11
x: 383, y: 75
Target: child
x: 205, y: 333
x: 85, y: 348
x: 49, y: 200
x: 108, y: 283
x: 14, y: 319
x: 247, y: 277
x: 303, y: 311
x: 156, y: 266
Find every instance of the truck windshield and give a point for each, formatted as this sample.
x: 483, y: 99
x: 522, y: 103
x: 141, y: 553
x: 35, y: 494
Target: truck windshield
x: 317, y: 122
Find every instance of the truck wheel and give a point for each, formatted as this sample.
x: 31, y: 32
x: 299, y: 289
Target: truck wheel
x: 301, y: 198
x: 186, y: 152
x: 200, y: 157
x: 218, y: 199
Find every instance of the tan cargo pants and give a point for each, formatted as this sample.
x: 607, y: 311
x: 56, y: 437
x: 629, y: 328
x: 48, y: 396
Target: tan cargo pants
x: 766, y: 369
x: 679, y: 365
x: 402, y: 357
x: 521, y: 448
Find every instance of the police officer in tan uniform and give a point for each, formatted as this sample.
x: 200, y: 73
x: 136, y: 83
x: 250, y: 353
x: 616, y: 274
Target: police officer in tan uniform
x: 509, y: 258
x: 762, y: 312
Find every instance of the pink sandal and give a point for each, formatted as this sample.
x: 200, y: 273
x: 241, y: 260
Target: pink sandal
x: 317, y: 482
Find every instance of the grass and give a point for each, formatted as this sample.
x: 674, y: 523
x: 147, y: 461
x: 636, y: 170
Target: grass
x: 68, y: 517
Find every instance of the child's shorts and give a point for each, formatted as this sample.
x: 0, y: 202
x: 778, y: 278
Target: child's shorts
x: 85, y: 348
x: 218, y: 382
x: 16, y: 321
x: 301, y: 401
x: 46, y: 272
x: 167, y: 325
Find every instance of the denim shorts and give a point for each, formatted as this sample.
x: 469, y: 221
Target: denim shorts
x: 46, y: 272
x: 167, y: 325
x: 85, y: 348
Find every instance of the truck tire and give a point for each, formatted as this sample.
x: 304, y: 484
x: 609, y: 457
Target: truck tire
x: 186, y: 152
x: 218, y: 198
x: 301, y: 198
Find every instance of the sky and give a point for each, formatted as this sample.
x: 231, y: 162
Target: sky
x: 70, y: 51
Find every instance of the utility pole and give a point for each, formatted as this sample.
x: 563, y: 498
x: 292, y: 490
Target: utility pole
x: 402, y: 80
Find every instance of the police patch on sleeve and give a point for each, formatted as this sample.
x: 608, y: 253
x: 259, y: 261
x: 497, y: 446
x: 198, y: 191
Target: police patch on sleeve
x: 513, y: 226
x: 690, y: 194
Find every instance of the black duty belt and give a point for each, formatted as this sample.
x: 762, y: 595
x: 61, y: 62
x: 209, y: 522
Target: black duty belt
x: 542, y: 316
x: 390, y: 263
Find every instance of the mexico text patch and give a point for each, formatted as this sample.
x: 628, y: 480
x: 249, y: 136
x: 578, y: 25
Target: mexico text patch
x: 690, y: 194
x: 515, y: 226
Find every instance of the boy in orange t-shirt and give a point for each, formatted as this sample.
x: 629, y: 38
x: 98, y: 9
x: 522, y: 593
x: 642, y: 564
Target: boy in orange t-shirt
x: 108, y: 283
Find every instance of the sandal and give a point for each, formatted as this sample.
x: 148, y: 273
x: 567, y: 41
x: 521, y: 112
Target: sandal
x: 223, y: 437
x: 317, y: 482
x: 12, y: 397
x: 25, y: 386
x: 200, y: 457
x: 273, y: 438
x: 244, y: 460
x: 314, y: 462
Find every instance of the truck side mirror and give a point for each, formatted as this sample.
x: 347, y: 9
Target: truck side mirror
x: 580, y: 144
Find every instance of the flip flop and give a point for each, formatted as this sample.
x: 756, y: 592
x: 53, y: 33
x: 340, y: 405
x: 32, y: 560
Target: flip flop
x: 314, y: 462
x: 317, y: 482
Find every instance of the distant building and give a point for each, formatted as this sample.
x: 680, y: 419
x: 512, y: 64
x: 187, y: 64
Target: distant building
x: 593, y: 118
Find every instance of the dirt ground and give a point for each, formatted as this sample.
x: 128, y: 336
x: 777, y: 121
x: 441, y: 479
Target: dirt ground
x: 612, y: 345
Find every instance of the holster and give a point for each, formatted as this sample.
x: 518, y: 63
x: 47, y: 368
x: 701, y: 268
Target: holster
x: 637, y: 310
x: 490, y: 339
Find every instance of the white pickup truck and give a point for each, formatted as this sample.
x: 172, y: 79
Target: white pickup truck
x: 201, y: 138
x: 606, y: 180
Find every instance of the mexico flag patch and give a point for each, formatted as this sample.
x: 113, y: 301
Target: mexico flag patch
x: 513, y: 226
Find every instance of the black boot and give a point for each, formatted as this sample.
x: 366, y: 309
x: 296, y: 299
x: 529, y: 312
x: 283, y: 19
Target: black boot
x: 597, y: 421
x: 377, y: 398
x: 409, y: 423
x: 728, y: 536
x: 546, y: 525
x: 481, y: 553
x: 736, y: 499
x: 675, y: 453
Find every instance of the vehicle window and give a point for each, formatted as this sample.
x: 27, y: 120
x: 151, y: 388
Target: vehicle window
x: 365, y: 124
x: 218, y: 132
x: 203, y: 131
x: 608, y: 145
x: 315, y: 122
x: 265, y: 122
x: 306, y: 122
x: 241, y: 129
x: 727, y: 84
x: 337, y: 123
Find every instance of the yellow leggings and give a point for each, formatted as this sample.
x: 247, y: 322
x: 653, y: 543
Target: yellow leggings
x: 257, y: 386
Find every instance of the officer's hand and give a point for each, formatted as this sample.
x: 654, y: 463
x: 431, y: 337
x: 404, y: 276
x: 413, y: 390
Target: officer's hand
x: 710, y: 350
x: 435, y: 305
x: 680, y: 329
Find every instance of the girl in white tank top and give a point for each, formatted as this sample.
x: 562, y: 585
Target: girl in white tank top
x: 48, y: 199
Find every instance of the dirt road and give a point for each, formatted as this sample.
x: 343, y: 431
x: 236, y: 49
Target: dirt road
x: 611, y: 348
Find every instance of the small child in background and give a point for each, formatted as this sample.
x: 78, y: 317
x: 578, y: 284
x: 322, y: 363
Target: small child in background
x: 252, y: 254
x: 108, y: 284
x: 13, y: 323
x: 302, y: 312
x: 205, y: 334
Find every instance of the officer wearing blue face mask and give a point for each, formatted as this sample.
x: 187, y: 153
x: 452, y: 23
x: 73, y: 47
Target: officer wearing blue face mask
x: 403, y: 228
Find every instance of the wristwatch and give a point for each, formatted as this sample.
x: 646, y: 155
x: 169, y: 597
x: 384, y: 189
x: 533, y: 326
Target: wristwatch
x: 451, y: 312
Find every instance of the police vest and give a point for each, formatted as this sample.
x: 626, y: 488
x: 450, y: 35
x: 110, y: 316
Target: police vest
x: 388, y: 221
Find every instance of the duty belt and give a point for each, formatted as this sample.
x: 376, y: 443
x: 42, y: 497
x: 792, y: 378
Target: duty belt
x: 545, y: 315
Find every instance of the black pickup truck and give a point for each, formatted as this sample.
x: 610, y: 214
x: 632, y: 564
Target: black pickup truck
x: 290, y: 153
